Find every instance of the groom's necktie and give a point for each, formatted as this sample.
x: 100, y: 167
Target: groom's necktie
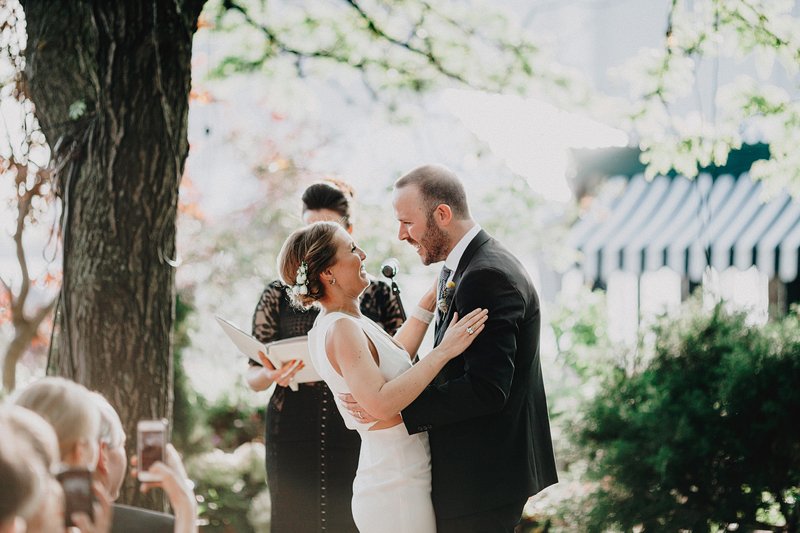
x: 444, y: 275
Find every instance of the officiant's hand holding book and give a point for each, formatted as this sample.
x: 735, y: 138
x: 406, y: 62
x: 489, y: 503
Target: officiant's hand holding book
x: 283, y: 375
x: 289, y: 357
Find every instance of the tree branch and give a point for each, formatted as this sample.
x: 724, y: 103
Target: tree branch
x: 762, y: 26
x: 282, y: 47
x: 43, y: 311
x: 6, y: 288
x: 426, y: 54
x: 23, y: 206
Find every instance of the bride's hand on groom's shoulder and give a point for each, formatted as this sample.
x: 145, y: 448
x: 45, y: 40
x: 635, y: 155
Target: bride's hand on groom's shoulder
x: 461, y: 332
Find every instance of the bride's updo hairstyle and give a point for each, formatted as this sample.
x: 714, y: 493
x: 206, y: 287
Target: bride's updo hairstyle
x: 314, y: 245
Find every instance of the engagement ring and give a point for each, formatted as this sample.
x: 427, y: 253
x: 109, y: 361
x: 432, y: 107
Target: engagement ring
x: 470, y: 330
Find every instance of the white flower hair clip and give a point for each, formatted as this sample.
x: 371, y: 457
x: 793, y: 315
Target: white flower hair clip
x: 301, y: 279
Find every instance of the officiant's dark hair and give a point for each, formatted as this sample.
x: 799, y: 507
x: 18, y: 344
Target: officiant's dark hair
x: 331, y: 194
x: 316, y: 245
x: 438, y: 185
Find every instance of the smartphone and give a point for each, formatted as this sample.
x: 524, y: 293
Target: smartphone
x: 78, y: 496
x: 151, y: 439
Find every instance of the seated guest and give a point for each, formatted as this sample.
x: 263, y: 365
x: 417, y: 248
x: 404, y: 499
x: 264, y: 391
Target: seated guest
x: 69, y: 409
x: 23, y: 478
x: 110, y: 471
x: 40, y: 438
x: 35, y: 431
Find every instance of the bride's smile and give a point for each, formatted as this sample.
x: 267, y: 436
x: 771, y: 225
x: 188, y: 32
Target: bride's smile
x: 348, y: 272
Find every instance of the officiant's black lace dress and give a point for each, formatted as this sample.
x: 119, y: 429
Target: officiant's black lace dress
x: 311, y: 456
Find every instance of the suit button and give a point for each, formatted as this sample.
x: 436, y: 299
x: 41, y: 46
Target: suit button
x: 420, y: 428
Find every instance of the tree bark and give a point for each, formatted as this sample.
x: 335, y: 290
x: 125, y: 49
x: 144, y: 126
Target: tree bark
x: 111, y: 81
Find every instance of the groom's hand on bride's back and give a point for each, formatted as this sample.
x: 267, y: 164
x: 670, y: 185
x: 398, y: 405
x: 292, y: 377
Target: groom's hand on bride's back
x: 355, y: 409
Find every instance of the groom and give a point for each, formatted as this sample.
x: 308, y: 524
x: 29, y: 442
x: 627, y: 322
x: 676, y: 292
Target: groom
x: 486, y: 412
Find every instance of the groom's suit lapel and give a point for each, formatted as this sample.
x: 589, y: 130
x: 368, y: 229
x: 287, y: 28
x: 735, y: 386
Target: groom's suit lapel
x: 480, y: 239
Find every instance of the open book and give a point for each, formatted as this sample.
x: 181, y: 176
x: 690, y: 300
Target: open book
x: 277, y: 352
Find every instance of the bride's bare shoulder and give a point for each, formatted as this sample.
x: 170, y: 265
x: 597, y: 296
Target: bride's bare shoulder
x: 344, y: 333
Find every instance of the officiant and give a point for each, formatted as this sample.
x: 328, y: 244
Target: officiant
x: 311, y: 457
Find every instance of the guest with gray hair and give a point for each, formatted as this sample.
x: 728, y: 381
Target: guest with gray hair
x: 110, y: 471
x: 69, y: 409
x: 38, y: 437
x: 23, y: 476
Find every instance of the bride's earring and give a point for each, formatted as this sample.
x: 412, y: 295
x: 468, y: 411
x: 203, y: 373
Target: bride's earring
x: 332, y: 281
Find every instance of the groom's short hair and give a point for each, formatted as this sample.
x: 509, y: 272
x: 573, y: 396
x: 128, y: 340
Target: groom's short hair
x: 438, y: 185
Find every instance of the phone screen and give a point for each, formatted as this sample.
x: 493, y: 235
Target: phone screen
x: 152, y: 448
x: 151, y: 441
x: 78, y: 497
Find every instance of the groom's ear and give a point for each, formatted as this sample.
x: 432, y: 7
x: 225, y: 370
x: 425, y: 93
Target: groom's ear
x: 443, y: 214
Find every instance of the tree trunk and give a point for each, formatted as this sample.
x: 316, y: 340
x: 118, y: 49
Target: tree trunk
x: 111, y: 81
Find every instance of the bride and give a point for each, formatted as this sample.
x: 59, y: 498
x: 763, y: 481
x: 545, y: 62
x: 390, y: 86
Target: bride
x: 392, y: 488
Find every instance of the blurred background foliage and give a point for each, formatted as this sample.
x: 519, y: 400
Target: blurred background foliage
x: 705, y: 436
x: 694, y: 428
x: 699, y: 435
x: 696, y: 432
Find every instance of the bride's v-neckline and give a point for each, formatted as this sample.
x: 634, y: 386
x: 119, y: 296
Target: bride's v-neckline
x: 371, y: 323
x: 383, y: 331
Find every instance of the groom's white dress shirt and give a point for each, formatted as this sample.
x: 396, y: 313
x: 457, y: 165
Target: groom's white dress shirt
x: 454, y: 257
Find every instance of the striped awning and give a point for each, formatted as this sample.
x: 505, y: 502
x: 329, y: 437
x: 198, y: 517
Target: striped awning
x: 638, y: 225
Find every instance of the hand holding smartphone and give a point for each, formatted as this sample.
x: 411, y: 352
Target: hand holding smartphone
x: 151, y: 440
x: 78, y: 498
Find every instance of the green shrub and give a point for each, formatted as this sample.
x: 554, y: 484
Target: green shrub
x: 231, y: 489
x: 585, y: 358
x: 706, y: 436
x: 231, y: 478
x: 187, y: 406
x: 233, y: 423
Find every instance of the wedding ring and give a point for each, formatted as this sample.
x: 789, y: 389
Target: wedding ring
x: 359, y: 415
x: 470, y: 330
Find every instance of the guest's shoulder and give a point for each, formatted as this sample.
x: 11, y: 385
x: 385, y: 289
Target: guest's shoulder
x: 128, y: 519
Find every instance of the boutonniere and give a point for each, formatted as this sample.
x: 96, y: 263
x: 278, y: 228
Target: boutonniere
x: 443, y: 304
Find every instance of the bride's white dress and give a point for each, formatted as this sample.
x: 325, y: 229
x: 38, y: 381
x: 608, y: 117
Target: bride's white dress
x: 392, y: 487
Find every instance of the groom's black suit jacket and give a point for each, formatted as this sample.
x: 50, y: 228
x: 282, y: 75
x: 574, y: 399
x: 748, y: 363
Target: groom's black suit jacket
x: 486, y: 412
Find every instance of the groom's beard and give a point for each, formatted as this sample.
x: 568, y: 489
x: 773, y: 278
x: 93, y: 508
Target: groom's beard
x: 434, y: 241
